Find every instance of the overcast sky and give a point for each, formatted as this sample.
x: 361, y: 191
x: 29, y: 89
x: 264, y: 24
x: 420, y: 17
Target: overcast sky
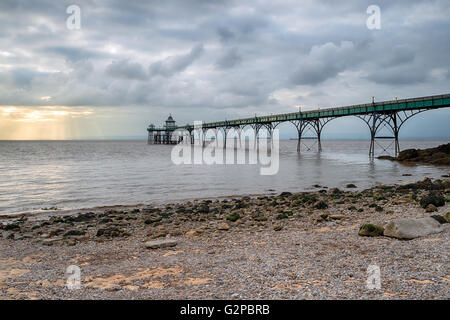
x: 134, y: 62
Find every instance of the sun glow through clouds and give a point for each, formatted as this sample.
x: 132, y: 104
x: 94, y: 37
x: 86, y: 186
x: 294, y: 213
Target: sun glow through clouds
x: 47, y: 122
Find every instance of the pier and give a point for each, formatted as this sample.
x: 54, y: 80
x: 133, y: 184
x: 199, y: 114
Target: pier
x: 377, y: 115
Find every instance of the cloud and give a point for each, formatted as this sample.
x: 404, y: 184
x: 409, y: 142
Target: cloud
x: 127, y: 70
x: 229, y: 59
x: 220, y: 59
x: 174, y: 64
x: 324, y: 62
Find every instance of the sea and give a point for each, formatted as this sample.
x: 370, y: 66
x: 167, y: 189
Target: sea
x: 70, y: 175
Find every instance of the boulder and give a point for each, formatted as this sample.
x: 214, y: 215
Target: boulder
x: 430, y: 208
x: 411, y: 228
x: 155, y: 244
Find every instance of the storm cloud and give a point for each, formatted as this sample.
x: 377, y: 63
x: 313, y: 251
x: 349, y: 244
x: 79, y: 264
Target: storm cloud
x: 208, y: 60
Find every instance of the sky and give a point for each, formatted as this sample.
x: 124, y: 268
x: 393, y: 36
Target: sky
x: 131, y: 63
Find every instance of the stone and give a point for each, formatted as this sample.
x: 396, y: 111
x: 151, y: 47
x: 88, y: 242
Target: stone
x: 233, y: 217
x: 430, y: 208
x: 50, y: 242
x: 351, y: 185
x: 434, y: 198
x: 278, y: 227
x: 411, y: 228
x: 155, y: 244
x: 152, y: 220
x: 447, y: 217
x: 193, y: 233
x: 71, y: 242
x: 370, y: 230
x: 159, y: 234
x: 12, y: 226
x: 285, y: 194
x: 74, y: 233
x: 337, y: 217
x: 320, y: 205
x: 111, y: 232
x: 223, y: 226
x: 439, y: 218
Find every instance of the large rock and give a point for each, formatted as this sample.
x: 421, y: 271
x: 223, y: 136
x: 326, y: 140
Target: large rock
x: 165, y: 243
x: 411, y: 228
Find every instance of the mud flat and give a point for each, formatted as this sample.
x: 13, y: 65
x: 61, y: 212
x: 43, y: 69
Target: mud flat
x: 287, y: 246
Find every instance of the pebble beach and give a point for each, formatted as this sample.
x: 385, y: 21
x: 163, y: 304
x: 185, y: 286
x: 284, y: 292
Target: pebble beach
x: 306, y: 245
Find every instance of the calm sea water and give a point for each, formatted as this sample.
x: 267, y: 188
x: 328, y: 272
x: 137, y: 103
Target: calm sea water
x: 84, y: 174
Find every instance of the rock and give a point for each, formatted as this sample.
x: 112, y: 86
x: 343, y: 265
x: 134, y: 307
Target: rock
x: 277, y: 227
x: 105, y: 220
x: 204, y: 208
x: 411, y: 228
x: 8, y: 235
x: 50, y: 242
x: 71, y: 242
x: 320, y: 205
x: 12, y: 226
x: 407, y: 154
x: 430, y: 208
x: 447, y: 217
x: 111, y: 232
x: 223, y: 226
x: 159, y: 234
x: 84, y: 217
x: 26, y: 235
x: 260, y: 218
x: 285, y: 194
x: 439, y: 218
x: 233, y: 217
x: 337, y: 217
x: 434, y: 198
x: 155, y: 244
x: 282, y: 216
x: 335, y: 191
x: 351, y: 185
x: 370, y: 230
x: 152, y: 220
x: 193, y: 233
x: 74, y: 233
x: 378, y: 208
x: 386, y: 158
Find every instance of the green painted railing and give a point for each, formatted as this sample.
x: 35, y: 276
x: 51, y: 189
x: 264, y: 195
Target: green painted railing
x: 430, y: 102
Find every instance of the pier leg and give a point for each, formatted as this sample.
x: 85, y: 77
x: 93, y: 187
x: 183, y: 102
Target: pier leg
x: 395, y: 128
x: 225, y: 133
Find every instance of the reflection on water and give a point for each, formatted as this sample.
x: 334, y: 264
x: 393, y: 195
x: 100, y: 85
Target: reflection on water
x: 80, y: 174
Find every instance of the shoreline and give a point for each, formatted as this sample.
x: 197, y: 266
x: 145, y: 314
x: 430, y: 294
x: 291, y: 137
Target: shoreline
x: 301, y: 245
x: 47, y: 213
